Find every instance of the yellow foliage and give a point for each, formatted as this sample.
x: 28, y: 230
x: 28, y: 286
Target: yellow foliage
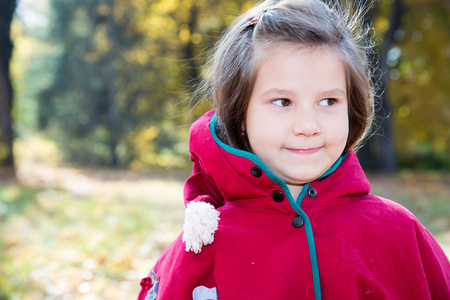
x: 196, y: 38
x: 26, y: 43
x: 405, y: 67
x: 101, y: 40
x: 137, y: 55
x: 43, y: 150
x: 424, y: 77
x: 166, y: 6
x: 247, y: 5
x: 157, y: 26
x: 403, y: 112
x: 382, y: 24
x: 104, y: 10
x: 184, y: 33
x: 441, y: 143
x: 4, y: 151
x: 143, y: 141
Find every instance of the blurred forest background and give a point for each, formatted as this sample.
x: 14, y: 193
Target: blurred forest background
x: 94, y: 119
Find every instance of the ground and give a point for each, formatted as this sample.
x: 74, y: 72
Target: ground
x: 72, y: 233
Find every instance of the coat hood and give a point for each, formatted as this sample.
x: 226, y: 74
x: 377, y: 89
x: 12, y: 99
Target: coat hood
x: 237, y: 175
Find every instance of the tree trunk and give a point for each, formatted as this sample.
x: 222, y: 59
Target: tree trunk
x: 7, y: 9
x: 192, y: 74
x: 384, y: 118
x: 113, y: 116
x: 378, y: 153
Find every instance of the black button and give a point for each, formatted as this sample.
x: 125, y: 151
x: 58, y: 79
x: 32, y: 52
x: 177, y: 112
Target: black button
x: 256, y: 171
x: 297, y: 221
x: 278, y: 196
x: 312, y: 192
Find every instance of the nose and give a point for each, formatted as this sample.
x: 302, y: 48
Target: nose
x: 306, y: 124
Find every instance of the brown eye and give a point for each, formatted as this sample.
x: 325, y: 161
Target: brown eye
x: 282, y: 102
x: 327, y: 102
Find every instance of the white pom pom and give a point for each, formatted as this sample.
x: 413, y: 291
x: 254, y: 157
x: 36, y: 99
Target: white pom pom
x: 201, y: 220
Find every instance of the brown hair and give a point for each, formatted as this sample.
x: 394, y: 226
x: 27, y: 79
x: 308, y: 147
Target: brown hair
x: 308, y: 23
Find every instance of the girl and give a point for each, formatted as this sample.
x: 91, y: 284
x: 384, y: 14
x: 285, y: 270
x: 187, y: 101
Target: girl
x: 278, y: 206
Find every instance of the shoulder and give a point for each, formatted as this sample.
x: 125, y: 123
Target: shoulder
x: 394, y: 221
x: 381, y: 218
x: 386, y: 208
x: 378, y: 220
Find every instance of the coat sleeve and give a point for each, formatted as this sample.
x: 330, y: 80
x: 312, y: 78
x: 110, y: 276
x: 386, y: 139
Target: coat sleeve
x: 435, y: 264
x: 179, y: 272
x: 201, y: 187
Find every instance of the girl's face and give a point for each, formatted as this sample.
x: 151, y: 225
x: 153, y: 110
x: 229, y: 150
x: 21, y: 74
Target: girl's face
x: 297, y: 118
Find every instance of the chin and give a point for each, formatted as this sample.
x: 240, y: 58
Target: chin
x: 298, y: 182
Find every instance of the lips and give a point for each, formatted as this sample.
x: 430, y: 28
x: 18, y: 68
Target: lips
x: 304, y: 150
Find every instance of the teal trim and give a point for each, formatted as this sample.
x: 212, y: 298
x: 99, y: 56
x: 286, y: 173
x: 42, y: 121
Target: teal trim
x: 311, y: 248
x: 244, y: 154
x: 328, y: 172
x: 303, y: 193
x: 334, y: 166
x: 294, y: 204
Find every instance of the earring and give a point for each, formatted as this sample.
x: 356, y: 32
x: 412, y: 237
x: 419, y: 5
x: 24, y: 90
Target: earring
x: 243, y: 129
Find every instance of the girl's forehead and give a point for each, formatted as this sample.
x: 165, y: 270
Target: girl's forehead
x: 269, y: 51
x: 263, y: 50
x: 272, y: 58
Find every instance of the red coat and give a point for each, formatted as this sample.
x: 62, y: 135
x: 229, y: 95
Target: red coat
x: 351, y: 245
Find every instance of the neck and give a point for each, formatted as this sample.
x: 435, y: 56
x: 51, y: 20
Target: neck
x: 295, y: 190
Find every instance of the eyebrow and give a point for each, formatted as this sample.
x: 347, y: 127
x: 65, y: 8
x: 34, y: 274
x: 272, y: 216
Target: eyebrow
x: 335, y: 91
x: 277, y: 91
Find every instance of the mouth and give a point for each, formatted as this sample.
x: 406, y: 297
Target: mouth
x: 304, y: 150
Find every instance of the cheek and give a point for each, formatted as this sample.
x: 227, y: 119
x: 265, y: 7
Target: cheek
x: 262, y: 133
x: 344, y: 138
x: 338, y: 131
x: 344, y: 131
